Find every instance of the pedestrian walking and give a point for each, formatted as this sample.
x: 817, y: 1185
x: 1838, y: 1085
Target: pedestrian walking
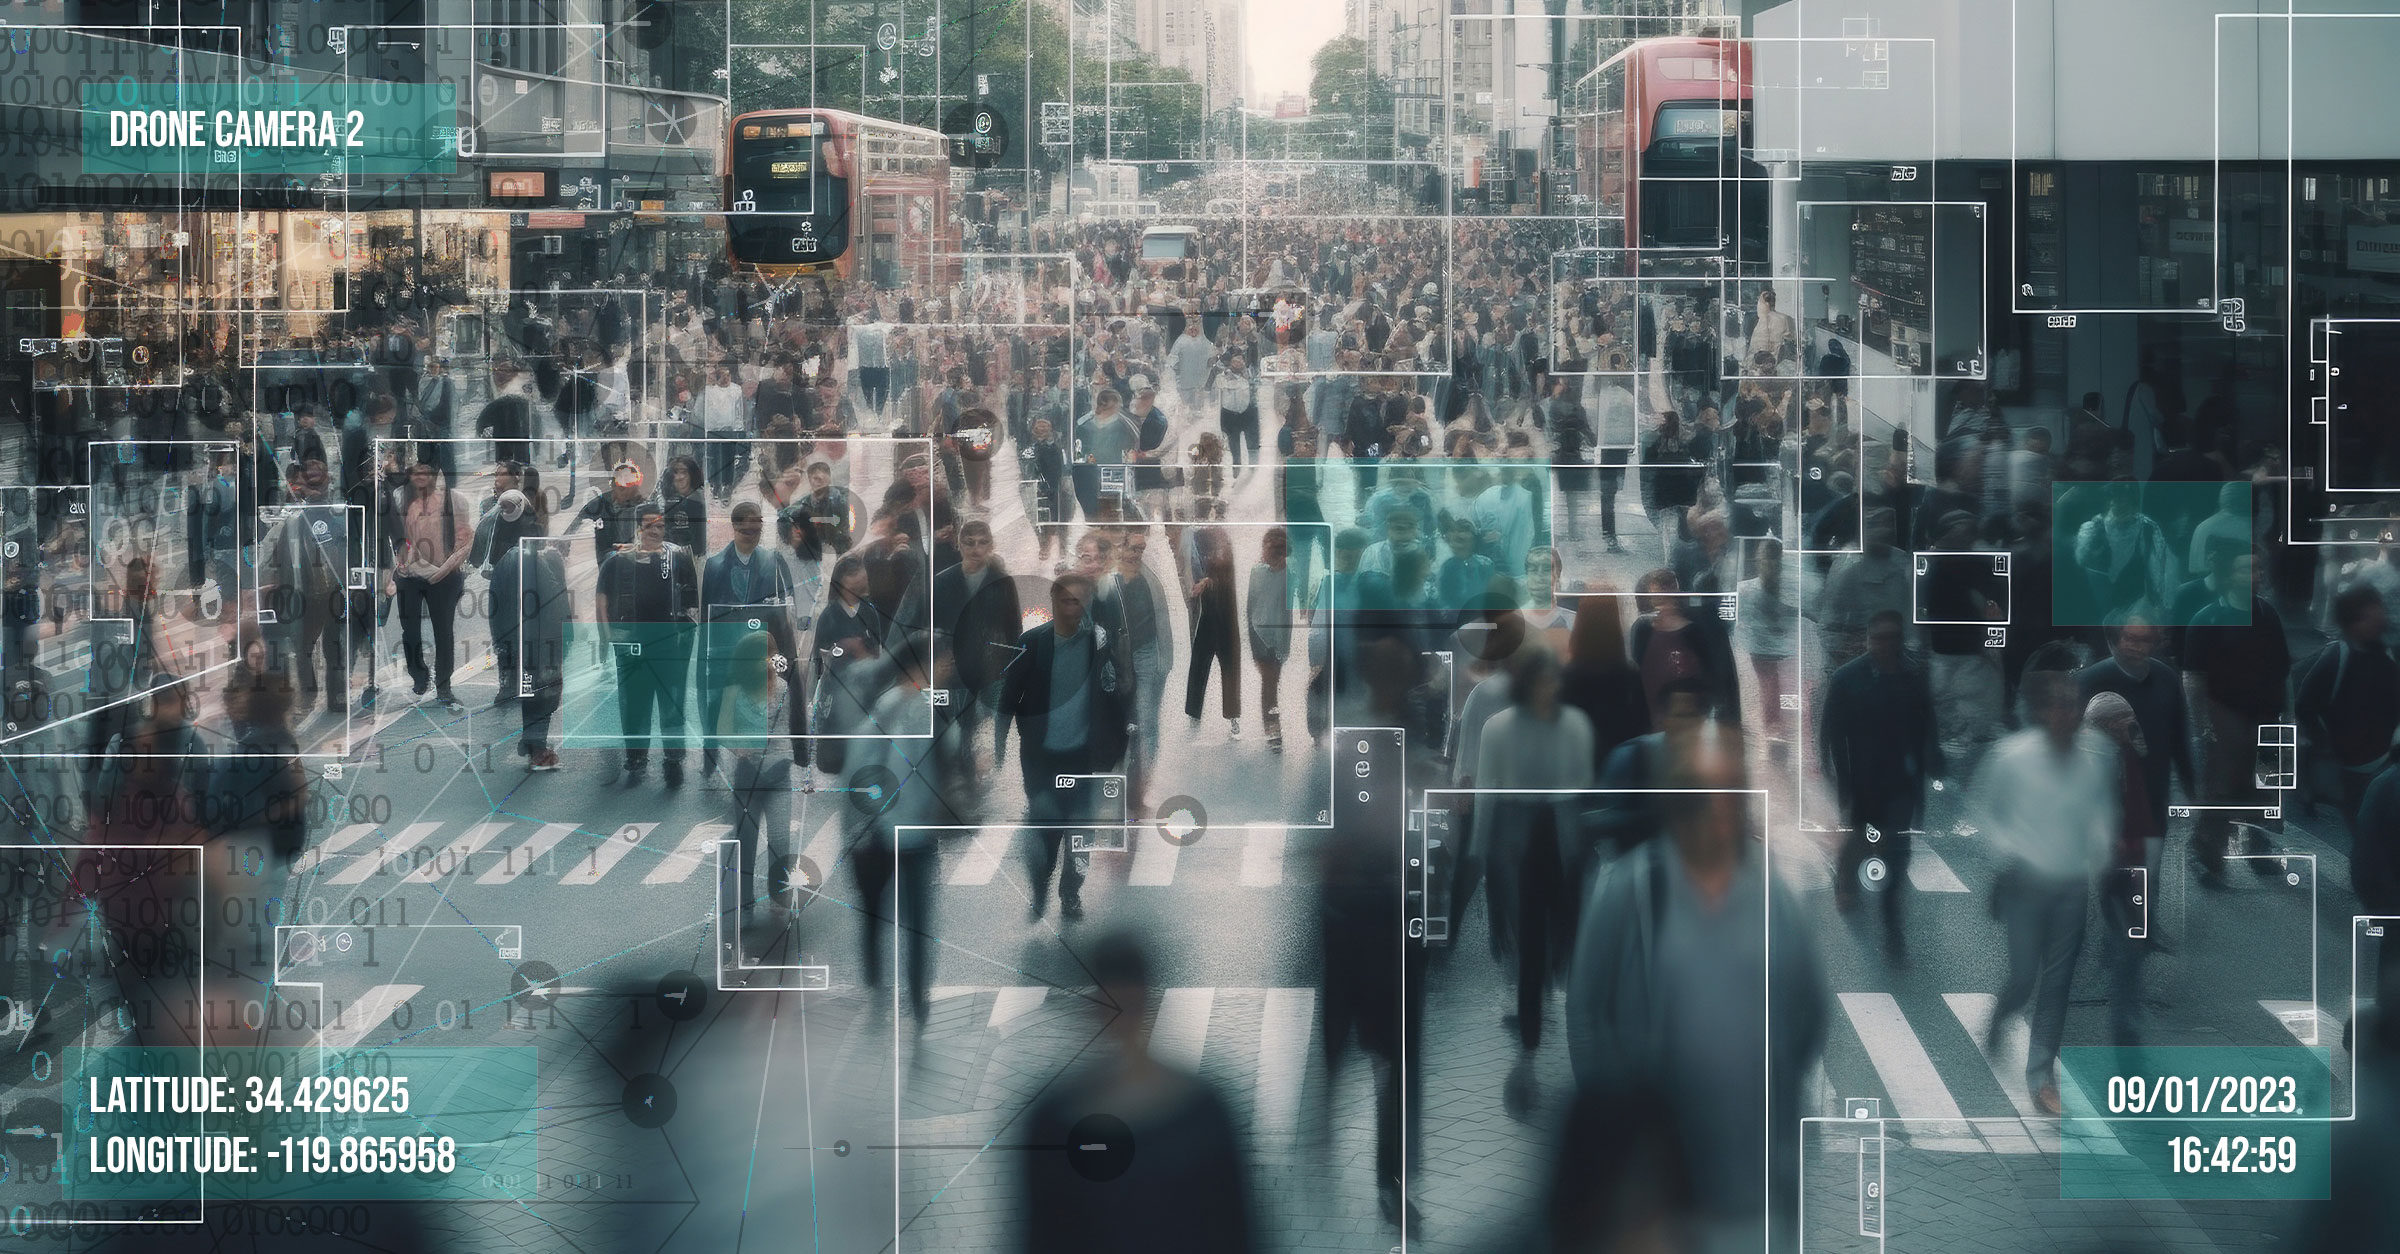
x: 1215, y: 626
x: 1268, y: 613
x: 2156, y: 693
x: 2236, y: 650
x: 2348, y: 702
x: 2048, y: 797
x: 1192, y: 1198
x: 1880, y: 748
x: 1063, y: 695
x: 647, y: 596
x: 2126, y: 886
x: 748, y: 713
x: 1699, y: 911
x: 432, y: 537
x: 1767, y: 619
x: 1532, y: 758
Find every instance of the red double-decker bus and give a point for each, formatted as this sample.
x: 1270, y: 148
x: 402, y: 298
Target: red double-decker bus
x: 820, y: 191
x: 1659, y: 144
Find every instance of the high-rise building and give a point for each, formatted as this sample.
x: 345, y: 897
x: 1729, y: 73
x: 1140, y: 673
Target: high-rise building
x: 1203, y: 38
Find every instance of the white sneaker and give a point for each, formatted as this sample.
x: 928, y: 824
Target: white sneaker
x: 1233, y: 728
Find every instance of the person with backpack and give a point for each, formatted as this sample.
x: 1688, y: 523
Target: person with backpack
x: 2125, y: 556
x: 431, y: 536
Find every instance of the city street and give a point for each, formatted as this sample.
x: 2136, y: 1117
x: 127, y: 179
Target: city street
x: 698, y: 1076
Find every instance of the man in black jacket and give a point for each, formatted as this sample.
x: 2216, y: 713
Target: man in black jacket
x: 976, y: 605
x: 1062, y: 692
x: 2236, y: 651
x: 2349, y: 699
x: 1879, y: 749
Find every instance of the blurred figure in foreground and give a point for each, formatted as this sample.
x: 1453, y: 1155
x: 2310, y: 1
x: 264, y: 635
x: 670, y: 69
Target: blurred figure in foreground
x: 1695, y: 974
x: 2048, y: 796
x: 2364, y: 1210
x: 1623, y: 1183
x: 1535, y: 745
x: 2126, y: 882
x: 1362, y: 904
x: 1134, y: 1154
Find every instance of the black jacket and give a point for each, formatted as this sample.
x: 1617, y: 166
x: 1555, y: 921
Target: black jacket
x: 983, y: 628
x: 1025, y: 699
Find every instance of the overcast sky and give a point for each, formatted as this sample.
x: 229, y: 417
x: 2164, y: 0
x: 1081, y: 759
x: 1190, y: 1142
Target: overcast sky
x: 1283, y: 35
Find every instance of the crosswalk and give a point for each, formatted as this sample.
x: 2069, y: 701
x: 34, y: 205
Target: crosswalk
x: 1257, y: 1044
x: 1947, y: 1089
x: 1247, y: 857
x: 500, y: 851
x: 497, y: 851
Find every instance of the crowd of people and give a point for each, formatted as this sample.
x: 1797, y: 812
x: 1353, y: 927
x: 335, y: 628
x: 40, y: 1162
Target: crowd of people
x: 1313, y: 460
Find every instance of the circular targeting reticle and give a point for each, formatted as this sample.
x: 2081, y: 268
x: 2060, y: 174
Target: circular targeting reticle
x: 681, y: 995
x: 1182, y: 821
x: 649, y: 1100
x: 1099, y: 1148
x: 872, y: 788
x: 533, y: 981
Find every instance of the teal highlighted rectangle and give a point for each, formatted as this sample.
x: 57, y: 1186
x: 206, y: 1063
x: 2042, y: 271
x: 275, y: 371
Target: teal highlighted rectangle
x: 350, y: 128
x: 2212, y: 1123
x: 2147, y: 550
x: 429, y: 1124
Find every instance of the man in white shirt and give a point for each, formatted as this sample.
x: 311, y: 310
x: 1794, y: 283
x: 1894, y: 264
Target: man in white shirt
x: 2048, y: 796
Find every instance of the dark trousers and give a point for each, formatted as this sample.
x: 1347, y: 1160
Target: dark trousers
x: 724, y: 463
x: 875, y: 384
x: 1545, y: 904
x: 439, y: 597
x: 305, y: 633
x: 909, y: 874
x: 1612, y: 478
x: 657, y: 676
x: 2228, y: 776
x: 2124, y: 954
x: 504, y: 656
x: 1240, y: 427
x: 1213, y: 641
x: 1383, y: 1002
x: 1891, y: 844
x: 540, y: 691
x: 1050, y: 811
x: 362, y: 631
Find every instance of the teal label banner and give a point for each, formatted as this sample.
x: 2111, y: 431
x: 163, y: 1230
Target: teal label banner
x: 433, y: 1123
x: 2201, y: 1123
x: 349, y: 128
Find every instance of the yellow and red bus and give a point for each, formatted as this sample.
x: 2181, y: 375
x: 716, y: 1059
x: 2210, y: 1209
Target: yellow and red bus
x: 1659, y: 144
x: 821, y: 191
